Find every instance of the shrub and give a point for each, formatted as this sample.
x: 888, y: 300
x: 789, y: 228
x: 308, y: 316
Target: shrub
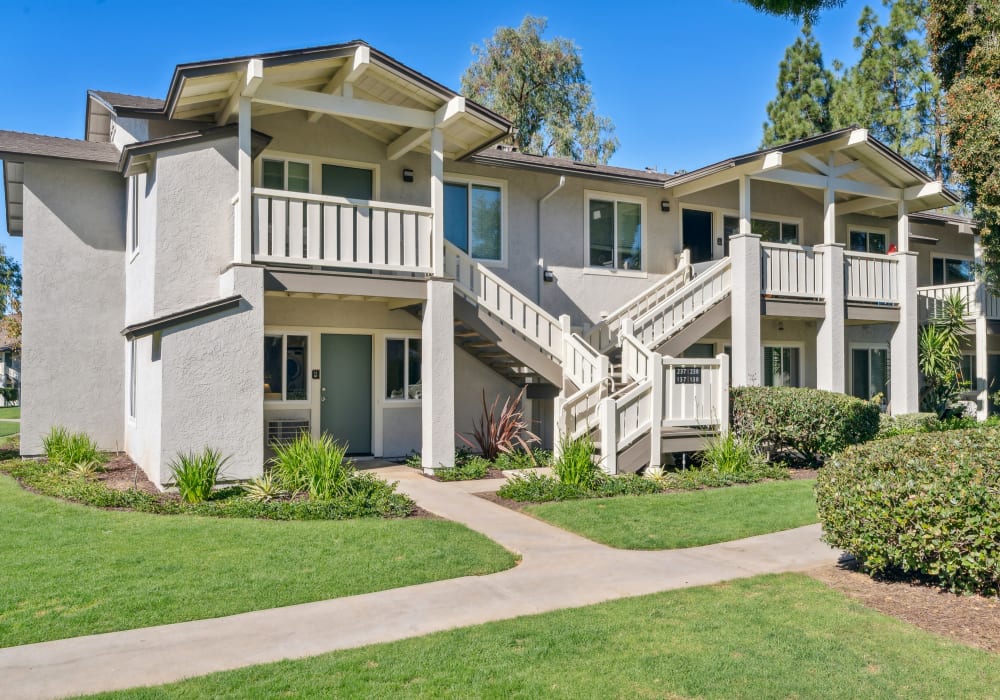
x: 923, y: 505
x: 314, y: 466
x: 55, y: 442
x: 497, y: 434
x: 575, y: 464
x: 66, y: 449
x: 465, y: 470
x: 195, y: 474
x: 86, y: 470
x: 537, y: 488
x: 906, y: 424
x: 263, y: 489
x: 814, y: 423
x: 730, y: 454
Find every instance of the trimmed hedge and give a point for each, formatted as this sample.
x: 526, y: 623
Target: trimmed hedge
x: 923, y: 505
x: 812, y: 422
x: 907, y: 424
x: 370, y: 497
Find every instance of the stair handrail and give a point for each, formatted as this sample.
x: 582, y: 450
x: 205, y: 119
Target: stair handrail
x: 591, y: 395
x: 582, y: 364
x: 603, y: 335
x: 488, y: 290
x: 661, y: 323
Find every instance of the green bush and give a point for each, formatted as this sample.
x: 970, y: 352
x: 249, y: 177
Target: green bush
x: 907, y: 424
x: 532, y: 487
x: 814, y: 423
x: 465, y: 470
x: 66, y: 449
x: 922, y: 505
x: 196, y: 474
x: 732, y: 454
x: 313, y: 466
x: 575, y: 464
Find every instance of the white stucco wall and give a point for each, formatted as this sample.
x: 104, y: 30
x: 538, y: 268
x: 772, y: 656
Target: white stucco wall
x: 74, y: 296
x: 143, y: 430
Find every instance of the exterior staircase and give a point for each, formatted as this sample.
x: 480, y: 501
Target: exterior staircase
x: 613, y: 384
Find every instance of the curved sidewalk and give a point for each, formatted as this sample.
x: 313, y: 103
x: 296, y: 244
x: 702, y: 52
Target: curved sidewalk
x: 558, y: 570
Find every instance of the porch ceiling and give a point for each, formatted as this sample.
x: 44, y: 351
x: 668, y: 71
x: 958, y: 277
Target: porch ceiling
x: 372, y: 80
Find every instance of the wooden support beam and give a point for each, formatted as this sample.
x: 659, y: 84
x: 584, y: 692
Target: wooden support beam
x: 927, y: 189
x: 246, y: 85
x: 406, y: 143
x: 348, y: 74
x: 294, y: 98
x: 821, y: 182
x: 449, y: 112
x: 846, y: 168
x: 863, y: 204
x: 772, y: 160
x: 814, y: 163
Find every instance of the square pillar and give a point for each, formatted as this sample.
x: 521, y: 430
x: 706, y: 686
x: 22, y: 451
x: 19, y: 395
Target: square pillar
x: 904, y: 383
x: 437, y: 371
x: 243, y: 243
x: 437, y: 199
x: 982, y: 380
x: 744, y: 253
x: 831, y: 371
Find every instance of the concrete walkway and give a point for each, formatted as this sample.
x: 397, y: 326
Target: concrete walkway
x: 558, y: 570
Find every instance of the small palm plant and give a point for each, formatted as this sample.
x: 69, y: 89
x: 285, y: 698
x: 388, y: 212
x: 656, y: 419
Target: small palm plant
x: 195, y: 474
x: 502, y: 433
x: 939, y: 357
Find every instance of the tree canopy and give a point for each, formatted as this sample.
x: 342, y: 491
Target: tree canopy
x: 807, y: 10
x: 540, y: 85
x: 805, y: 87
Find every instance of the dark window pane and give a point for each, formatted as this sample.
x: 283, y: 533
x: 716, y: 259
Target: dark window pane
x: 769, y: 231
x: 859, y: 374
x: 859, y: 241
x: 456, y: 215
x: 272, y: 367
x: 958, y: 271
x: 879, y: 362
x: 395, y: 368
x: 968, y: 368
x: 486, y: 205
x: 790, y: 233
x: 789, y: 367
x: 876, y: 243
x: 342, y: 181
x: 700, y: 350
x: 629, y: 236
x: 772, y: 365
x: 415, y: 389
x: 602, y: 233
x: 298, y: 177
x: 697, y: 234
x: 937, y: 271
x: 272, y: 175
x: 296, y: 365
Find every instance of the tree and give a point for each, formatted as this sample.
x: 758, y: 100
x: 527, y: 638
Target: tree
x: 540, y: 86
x: 10, y: 299
x: 802, y: 105
x: 939, y: 358
x: 964, y: 36
x: 807, y: 10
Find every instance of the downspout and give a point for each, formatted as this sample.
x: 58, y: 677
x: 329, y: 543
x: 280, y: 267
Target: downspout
x: 538, y: 239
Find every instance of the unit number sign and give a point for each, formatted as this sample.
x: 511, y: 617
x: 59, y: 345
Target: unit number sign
x: 687, y: 375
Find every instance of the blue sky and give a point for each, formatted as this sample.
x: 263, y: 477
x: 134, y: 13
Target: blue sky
x: 686, y: 82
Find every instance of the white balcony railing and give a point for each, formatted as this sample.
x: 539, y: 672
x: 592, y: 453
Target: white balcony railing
x: 791, y: 271
x: 871, y: 278
x: 309, y: 229
x: 977, y: 300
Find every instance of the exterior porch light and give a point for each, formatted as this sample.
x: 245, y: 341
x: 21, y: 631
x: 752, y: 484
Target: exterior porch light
x: 664, y: 205
x: 407, y: 175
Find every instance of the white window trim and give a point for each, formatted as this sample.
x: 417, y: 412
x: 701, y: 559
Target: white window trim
x: 860, y: 228
x: 133, y: 386
x: 133, y: 229
x: 850, y: 366
x: 316, y: 164
x: 460, y: 179
x: 643, y: 203
x: 949, y: 256
x: 798, y: 345
x: 401, y: 402
x: 310, y: 351
x: 763, y: 216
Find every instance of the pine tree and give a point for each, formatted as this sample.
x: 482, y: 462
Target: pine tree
x: 802, y: 105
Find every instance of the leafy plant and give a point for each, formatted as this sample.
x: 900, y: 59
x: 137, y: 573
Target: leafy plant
x: 264, y: 489
x: 519, y: 459
x: 65, y: 449
x: 496, y: 434
x: 86, y: 470
x: 532, y: 487
x: 939, y: 358
x: 465, y: 470
x: 314, y: 466
x: 414, y: 461
x: 195, y: 474
x: 907, y: 424
x: 54, y: 442
x: 575, y: 464
x: 732, y: 454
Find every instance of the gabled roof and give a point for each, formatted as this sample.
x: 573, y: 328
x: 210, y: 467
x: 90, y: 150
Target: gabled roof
x: 119, y: 101
x: 505, y: 158
x: 18, y: 145
x: 135, y: 156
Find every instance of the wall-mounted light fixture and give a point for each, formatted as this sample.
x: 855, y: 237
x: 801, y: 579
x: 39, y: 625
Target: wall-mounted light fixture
x: 664, y: 205
x: 781, y: 326
x: 548, y: 276
x: 407, y: 175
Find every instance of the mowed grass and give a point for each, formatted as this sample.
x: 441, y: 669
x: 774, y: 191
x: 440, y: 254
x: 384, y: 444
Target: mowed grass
x: 690, y: 519
x: 8, y: 427
x: 70, y: 570
x: 785, y: 636
x: 10, y: 412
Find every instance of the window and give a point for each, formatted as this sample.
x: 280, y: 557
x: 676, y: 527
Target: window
x: 345, y: 181
x: 614, y: 229
x: 134, y: 196
x: 284, y: 175
x: 132, y: 379
x: 700, y: 350
x: 868, y: 242
x: 286, y: 366
x: 967, y: 367
x: 952, y: 270
x: 473, y: 218
x: 402, y: 369
x: 769, y: 230
x: 870, y: 373
x: 781, y: 366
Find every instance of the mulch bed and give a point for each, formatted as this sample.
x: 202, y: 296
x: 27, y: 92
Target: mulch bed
x: 969, y: 619
x: 121, y: 474
x: 492, y: 497
x: 803, y: 473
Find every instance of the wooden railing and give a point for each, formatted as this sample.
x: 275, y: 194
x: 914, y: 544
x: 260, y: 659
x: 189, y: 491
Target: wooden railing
x: 582, y: 364
x: 685, y: 305
x: 871, y: 278
x: 977, y: 299
x: 604, y: 335
x: 791, y: 271
x: 637, y: 359
x: 696, y: 392
x: 309, y: 229
x: 579, y: 412
x: 491, y: 293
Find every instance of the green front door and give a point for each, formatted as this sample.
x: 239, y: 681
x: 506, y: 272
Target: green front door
x: 346, y: 390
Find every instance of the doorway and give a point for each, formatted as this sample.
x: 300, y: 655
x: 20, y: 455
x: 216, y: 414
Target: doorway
x: 346, y: 390
x: 697, y: 234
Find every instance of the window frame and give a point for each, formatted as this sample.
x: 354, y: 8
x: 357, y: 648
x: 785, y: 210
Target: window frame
x: 284, y: 400
x: 133, y: 379
x: 469, y: 181
x: 406, y: 338
x: 779, y: 219
x: 888, y: 368
x: 133, y: 229
x: 945, y: 257
x: 859, y: 228
x: 315, y: 164
x: 643, y: 271
x: 783, y: 345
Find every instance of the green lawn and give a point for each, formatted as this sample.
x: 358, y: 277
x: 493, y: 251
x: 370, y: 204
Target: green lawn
x: 10, y: 412
x: 782, y: 636
x: 9, y: 427
x: 70, y: 570
x: 690, y: 519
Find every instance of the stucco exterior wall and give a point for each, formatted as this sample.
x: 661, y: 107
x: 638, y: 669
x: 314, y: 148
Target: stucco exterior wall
x: 73, y: 303
x: 950, y: 243
x: 143, y: 429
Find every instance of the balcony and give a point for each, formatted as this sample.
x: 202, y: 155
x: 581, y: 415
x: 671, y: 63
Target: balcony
x: 978, y: 302
x: 799, y: 273
x: 292, y: 228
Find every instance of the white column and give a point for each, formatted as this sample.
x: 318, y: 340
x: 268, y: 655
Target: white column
x: 744, y: 251
x: 437, y: 198
x: 244, y: 217
x: 437, y: 369
x: 982, y: 380
x: 903, y: 377
x: 831, y: 373
x: 657, y: 376
x: 746, y: 213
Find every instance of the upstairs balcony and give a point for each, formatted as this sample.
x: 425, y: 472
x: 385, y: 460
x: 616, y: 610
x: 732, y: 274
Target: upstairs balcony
x: 978, y: 301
